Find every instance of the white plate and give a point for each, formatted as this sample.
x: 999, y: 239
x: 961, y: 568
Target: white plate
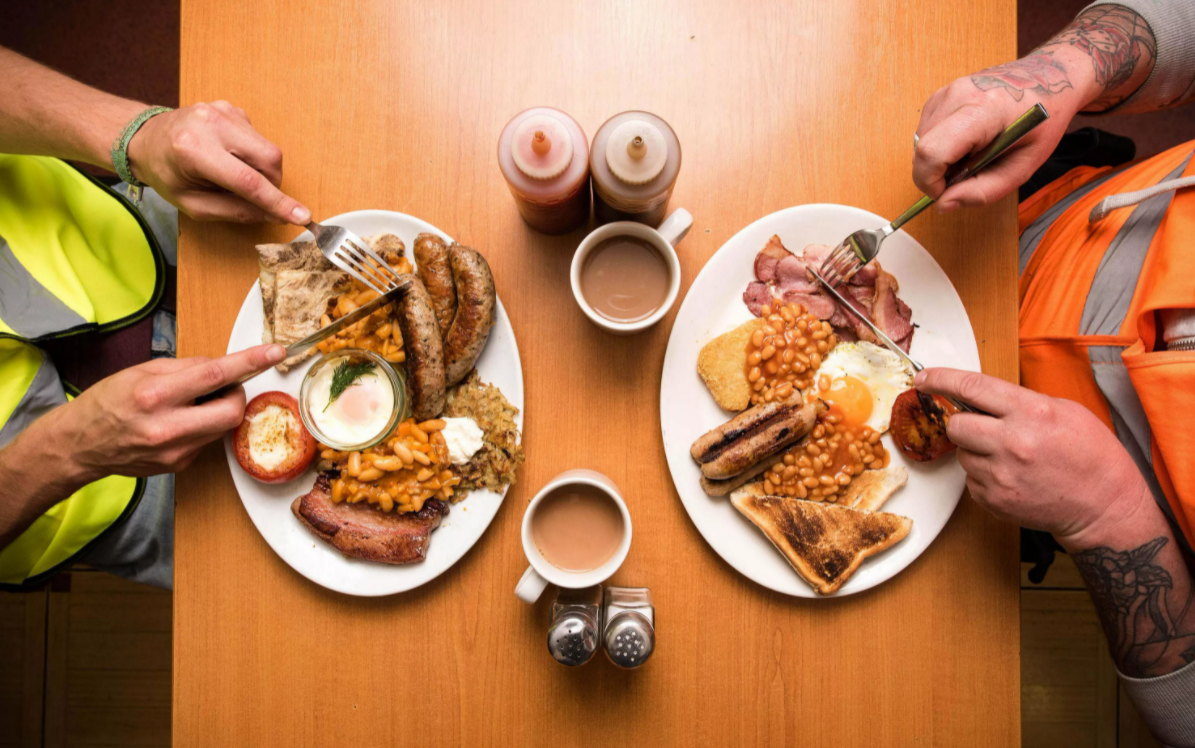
x: 269, y: 505
x: 714, y: 304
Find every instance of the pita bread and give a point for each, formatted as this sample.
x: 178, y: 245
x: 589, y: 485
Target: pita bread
x: 825, y: 543
x: 297, y: 282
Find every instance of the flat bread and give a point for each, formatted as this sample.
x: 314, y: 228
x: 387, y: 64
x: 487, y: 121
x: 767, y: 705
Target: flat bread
x: 825, y: 543
x: 722, y: 365
x: 297, y: 282
x: 301, y: 297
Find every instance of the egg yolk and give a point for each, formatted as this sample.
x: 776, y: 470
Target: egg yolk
x: 851, y: 397
x: 360, y: 402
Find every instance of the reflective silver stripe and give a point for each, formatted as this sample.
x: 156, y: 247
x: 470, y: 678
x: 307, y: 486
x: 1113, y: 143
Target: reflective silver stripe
x: 1128, y: 418
x: 44, y: 394
x: 26, y: 305
x: 1116, y: 277
x: 1031, y: 237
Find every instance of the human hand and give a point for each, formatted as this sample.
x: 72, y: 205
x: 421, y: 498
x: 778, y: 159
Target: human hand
x: 971, y: 112
x: 208, y: 160
x: 143, y: 421
x: 1038, y: 461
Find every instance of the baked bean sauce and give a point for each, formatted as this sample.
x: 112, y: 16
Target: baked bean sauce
x: 378, y: 332
x: 783, y: 358
x: 401, y: 473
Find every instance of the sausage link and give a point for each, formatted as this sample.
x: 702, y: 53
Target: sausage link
x: 424, y: 350
x: 476, y: 303
x: 431, y: 261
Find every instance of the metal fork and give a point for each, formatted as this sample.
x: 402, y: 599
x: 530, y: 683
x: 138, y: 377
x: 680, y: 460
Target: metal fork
x: 861, y: 247
x: 350, y: 253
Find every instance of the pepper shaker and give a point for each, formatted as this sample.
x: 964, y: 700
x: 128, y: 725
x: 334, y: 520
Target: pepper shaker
x: 629, y: 633
x: 575, y: 634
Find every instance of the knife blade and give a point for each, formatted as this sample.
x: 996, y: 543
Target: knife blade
x: 302, y: 346
x: 887, y: 341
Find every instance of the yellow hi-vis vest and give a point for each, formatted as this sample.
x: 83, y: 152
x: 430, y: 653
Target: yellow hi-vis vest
x: 75, y: 258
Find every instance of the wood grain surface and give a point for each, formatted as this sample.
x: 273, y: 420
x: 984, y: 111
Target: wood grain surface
x: 398, y: 105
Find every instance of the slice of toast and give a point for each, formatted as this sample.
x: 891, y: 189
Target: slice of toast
x: 824, y: 543
x: 869, y: 490
x: 722, y: 365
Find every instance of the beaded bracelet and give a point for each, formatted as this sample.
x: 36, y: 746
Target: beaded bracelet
x: 120, y: 151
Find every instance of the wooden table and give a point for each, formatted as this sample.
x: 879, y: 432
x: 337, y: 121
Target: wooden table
x: 395, y: 105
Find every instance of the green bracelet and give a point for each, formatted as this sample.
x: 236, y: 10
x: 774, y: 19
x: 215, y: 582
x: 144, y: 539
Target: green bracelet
x: 120, y: 150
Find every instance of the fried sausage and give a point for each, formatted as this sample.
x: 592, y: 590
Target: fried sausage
x: 710, y: 445
x: 476, y: 304
x: 748, y: 450
x: 431, y: 260
x: 728, y: 486
x: 424, y: 349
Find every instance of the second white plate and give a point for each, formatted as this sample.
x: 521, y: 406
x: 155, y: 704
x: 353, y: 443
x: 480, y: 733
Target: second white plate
x: 714, y: 304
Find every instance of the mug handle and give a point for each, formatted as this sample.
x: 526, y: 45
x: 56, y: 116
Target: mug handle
x: 675, y: 226
x: 531, y: 585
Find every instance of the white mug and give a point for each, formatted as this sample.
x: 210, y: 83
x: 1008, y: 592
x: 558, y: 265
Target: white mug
x: 670, y: 232
x: 541, y: 572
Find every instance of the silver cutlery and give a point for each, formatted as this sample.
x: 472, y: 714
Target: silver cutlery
x: 302, y: 346
x: 861, y: 247
x: 350, y: 253
x: 887, y: 341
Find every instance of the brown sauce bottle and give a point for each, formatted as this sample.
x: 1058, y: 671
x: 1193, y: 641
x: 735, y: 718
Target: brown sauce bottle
x: 635, y: 160
x: 544, y: 157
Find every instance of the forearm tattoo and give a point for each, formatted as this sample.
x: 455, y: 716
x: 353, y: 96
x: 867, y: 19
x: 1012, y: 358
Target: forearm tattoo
x: 1148, y: 632
x: 1038, y: 72
x: 1115, y: 38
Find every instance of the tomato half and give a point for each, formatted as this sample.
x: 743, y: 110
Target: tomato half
x: 920, y: 435
x: 273, y: 427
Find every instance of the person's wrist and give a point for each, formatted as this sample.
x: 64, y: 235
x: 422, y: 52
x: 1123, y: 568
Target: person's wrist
x: 1129, y: 496
x: 60, y: 431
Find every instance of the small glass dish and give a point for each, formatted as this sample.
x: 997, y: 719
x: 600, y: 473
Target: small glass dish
x: 388, y: 374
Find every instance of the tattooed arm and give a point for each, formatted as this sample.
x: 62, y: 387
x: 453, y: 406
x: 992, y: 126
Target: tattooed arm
x: 1097, y: 61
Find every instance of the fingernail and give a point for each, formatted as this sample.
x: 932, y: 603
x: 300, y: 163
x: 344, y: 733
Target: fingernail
x: 275, y: 353
x: 919, y: 379
x: 947, y: 206
x: 301, y: 214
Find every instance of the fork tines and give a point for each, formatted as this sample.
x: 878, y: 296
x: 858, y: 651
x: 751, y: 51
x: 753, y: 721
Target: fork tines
x: 840, y: 265
x: 367, y: 266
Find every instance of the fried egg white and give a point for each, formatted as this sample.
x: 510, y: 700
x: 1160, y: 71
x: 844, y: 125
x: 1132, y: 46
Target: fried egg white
x: 864, y: 380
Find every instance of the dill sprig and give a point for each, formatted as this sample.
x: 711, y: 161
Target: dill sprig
x: 346, y: 375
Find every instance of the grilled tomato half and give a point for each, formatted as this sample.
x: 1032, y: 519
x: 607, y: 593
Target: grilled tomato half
x: 919, y: 425
x: 271, y: 443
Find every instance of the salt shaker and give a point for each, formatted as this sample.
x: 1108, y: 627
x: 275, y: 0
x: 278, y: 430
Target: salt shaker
x: 576, y: 628
x: 629, y: 634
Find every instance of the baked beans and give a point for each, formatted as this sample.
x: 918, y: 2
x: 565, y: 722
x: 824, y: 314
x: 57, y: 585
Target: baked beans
x: 824, y: 462
x: 785, y: 353
x: 378, y: 332
x: 401, y: 473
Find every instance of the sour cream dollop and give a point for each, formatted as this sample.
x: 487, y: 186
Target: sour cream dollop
x: 359, y: 414
x: 463, y: 437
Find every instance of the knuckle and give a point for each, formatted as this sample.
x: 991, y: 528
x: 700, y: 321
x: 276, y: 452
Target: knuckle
x: 156, y: 435
x: 273, y: 154
x: 1023, y: 446
x: 210, y: 374
x: 248, y: 180
x: 147, y: 397
x: 205, y: 112
x: 184, y: 144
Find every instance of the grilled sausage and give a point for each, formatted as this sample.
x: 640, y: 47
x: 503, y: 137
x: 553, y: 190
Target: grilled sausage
x: 476, y: 304
x: 728, y: 486
x: 431, y: 260
x: 424, y: 349
x: 748, y: 450
x: 710, y: 445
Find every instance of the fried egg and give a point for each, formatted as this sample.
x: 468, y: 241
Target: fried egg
x: 864, y: 380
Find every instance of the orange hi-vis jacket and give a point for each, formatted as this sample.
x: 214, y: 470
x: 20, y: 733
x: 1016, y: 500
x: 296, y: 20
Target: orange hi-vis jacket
x: 1089, y: 325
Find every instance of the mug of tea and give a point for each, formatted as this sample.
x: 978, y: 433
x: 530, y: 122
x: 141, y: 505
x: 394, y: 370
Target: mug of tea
x: 626, y: 275
x: 576, y: 533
